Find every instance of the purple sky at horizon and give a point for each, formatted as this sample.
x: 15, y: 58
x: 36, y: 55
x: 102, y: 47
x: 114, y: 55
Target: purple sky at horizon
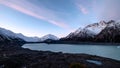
x: 57, y: 17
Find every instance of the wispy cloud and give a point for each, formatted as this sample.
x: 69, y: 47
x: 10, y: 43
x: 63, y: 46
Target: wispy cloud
x: 82, y: 9
x: 79, y: 5
x: 35, y: 11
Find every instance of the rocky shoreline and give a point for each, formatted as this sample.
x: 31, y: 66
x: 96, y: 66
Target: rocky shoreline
x: 14, y: 56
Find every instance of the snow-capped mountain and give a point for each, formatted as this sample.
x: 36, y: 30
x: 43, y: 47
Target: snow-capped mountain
x: 81, y: 33
x: 28, y: 39
x: 89, y: 31
x: 37, y: 39
x: 110, y: 34
x: 7, y: 33
x: 8, y: 36
x: 97, y: 27
x: 49, y: 36
x: 96, y: 31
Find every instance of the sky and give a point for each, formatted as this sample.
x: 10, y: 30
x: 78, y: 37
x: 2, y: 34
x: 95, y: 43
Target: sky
x: 57, y: 17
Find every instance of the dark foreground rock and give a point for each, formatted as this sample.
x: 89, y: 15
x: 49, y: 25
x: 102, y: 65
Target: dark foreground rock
x: 13, y: 56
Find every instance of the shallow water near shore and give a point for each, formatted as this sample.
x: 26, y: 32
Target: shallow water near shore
x: 99, y: 50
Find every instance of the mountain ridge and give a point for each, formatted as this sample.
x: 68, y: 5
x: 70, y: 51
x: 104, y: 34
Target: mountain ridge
x: 96, y: 32
x: 7, y: 34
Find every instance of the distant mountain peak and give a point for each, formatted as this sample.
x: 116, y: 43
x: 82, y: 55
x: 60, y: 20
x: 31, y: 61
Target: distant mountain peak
x: 49, y: 36
x: 96, y: 27
x: 102, y: 23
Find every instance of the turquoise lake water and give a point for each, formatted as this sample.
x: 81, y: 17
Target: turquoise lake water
x: 99, y: 50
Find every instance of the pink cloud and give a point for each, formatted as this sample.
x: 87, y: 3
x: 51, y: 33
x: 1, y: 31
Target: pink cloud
x: 80, y: 6
x: 82, y: 9
x: 34, y: 11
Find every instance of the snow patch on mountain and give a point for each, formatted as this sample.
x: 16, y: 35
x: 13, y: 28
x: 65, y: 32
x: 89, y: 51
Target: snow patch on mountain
x: 96, y: 27
x: 81, y: 33
x: 85, y: 32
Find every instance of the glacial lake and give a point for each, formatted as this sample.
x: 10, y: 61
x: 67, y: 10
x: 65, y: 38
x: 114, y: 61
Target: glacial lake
x: 99, y: 50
